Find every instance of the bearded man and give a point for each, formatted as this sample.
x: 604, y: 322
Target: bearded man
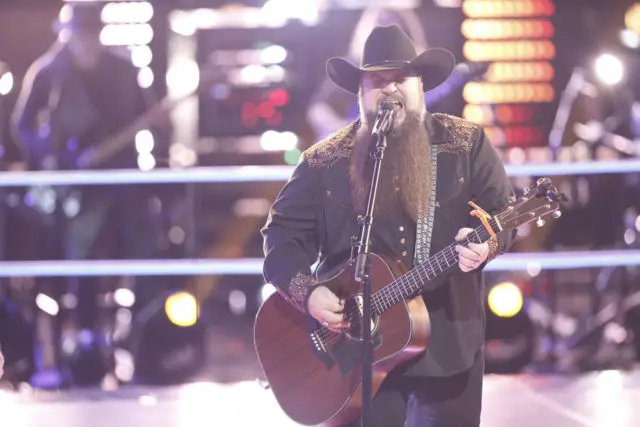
x: 434, y: 164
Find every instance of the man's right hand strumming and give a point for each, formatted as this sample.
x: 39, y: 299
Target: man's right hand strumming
x: 324, y: 306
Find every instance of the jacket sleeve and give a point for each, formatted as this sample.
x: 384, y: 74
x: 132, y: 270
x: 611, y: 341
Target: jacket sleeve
x: 32, y: 98
x: 290, y: 238
x: 491, y: 190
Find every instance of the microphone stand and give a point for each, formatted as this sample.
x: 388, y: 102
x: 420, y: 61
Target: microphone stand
x: 362, y: 270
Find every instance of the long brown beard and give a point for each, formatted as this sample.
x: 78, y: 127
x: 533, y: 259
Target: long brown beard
x: 405, y: 177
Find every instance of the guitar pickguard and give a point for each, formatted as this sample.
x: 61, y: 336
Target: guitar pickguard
x: 345, y: 349
x: 347, y: 352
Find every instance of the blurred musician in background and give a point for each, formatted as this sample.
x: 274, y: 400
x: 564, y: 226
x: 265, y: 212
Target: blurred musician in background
x: 1, y: 363
x: 74, y: 99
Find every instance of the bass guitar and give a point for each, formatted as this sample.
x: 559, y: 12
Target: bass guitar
x: 315, y: 374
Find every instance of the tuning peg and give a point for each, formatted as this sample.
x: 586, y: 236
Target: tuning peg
x: 526, y: 190
x: 540, y: 222
x: 556, y: 214
x: 544, y: 181
x: 511, y: 199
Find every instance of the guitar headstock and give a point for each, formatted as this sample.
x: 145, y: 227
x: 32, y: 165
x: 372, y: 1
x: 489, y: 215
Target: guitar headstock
x: 533, y: 205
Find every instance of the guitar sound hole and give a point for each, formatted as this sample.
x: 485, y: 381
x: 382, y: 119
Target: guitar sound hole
x: 354, y: 307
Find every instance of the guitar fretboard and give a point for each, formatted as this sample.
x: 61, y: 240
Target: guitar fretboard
x: 411, y: 283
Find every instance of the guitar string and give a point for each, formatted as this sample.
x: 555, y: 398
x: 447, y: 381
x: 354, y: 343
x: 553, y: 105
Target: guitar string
x: 328, y: 336
x: 391, y: 290
x: 392, y: 294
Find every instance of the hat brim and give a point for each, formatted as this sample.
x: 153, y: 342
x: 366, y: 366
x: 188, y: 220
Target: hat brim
x: 434, y: 66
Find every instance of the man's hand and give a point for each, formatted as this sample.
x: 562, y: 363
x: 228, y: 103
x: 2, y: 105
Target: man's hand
x: 469, y: 258
x: 324, y: 306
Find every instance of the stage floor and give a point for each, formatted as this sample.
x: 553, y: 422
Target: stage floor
x: 608, y: 398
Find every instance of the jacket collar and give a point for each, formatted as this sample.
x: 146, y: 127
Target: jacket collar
x: 437, y: 130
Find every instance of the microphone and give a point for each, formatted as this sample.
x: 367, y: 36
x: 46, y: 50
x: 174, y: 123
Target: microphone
x: 385, y: 118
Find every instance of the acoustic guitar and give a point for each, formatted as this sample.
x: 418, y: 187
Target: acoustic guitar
x: 315, y: 374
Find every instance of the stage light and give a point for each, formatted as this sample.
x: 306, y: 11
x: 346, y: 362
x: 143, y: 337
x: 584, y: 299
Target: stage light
x: 182, y: 309
x: 480, y: 114
x: 145, y: 77
x: 609, y: 69
x: 485, y: 51
x: 507, y: 9
x: 168, y: 346
x: 141, y: 56
x: 292, y: 157
x: 499, y: 114
x: 507, y: 93
x: 505, y: 299
x: 266, y: 291
x: 632, y: 18
x: 127, y: 12
x: 520, y: 71
x: 279, y: 97
x: 516, y: 136
x: 510, y: 331
x: 484, y: 29
x: 279, y: 11
x: 515, y: 37
x: 126, y: 34
x: 47, y: 304
x: 6, y: 82
x: 124, y: 297
x: 237, y: 302
x: 144, y: 141
x: 251, y: 207
x: 273, y: 54
x: 510, y: 114
x: 146, y: 161
x: 183, y: 77
x: 272, y: 140
x: 630, y: 38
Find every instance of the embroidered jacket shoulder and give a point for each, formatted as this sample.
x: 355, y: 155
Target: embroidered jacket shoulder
x: 463, y: 133
x: 337, y: 146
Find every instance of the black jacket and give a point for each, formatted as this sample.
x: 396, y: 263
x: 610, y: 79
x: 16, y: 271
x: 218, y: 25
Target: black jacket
x: 312, y: 220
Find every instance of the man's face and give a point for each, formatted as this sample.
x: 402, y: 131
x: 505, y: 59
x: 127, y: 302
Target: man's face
x: 403, y: 86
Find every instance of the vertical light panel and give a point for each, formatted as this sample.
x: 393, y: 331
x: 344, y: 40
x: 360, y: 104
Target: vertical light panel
x: 515, y: 37
x: 127, y: 24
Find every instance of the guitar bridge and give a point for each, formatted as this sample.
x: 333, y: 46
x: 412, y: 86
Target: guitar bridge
x: 317, y: 343
x: 320, y: 350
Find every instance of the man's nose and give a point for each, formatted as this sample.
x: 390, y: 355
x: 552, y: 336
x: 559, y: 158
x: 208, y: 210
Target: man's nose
x: 390, y: 88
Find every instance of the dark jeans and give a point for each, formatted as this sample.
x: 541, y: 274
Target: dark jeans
x: 115, y: 223
x: 454, y: 401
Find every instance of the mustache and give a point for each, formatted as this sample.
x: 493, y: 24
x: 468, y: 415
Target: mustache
x: 391, y: 98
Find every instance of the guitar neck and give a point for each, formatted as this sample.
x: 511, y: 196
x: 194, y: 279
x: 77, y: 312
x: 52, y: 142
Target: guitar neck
x: 411, y: 284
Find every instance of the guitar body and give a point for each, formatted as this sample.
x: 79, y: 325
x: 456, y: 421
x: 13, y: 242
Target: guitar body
x: 316, y: 375
x: 319, y: 382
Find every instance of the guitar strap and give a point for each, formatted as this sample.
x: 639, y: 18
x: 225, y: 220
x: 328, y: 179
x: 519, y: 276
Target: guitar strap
x: 424, y: 225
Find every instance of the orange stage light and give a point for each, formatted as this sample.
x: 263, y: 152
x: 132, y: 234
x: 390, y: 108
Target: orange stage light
x: 487, y: 29
x: 504, y: 9
x: 521, y: 50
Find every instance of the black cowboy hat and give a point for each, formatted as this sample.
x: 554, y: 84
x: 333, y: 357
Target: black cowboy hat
x: 84, y: 16
x: 388, y: 48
